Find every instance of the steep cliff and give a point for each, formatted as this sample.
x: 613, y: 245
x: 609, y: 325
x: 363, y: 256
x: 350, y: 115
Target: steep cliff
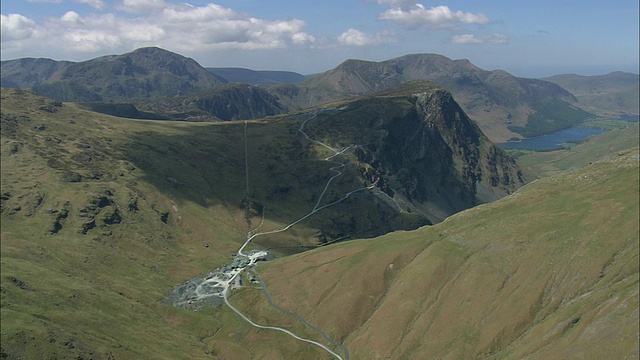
x: 422, y: 150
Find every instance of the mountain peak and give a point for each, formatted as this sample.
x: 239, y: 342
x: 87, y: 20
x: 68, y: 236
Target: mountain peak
x: 154, y: 51
x: 151, y: 49
x: 142, y: 73
x: 356, y: 62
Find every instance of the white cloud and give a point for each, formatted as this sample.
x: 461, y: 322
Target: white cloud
x: 180, y: 27
x: 498, y: 39
x: 93, y: 40
x: 95, y: 33
x: 16, y: 27
x: 354, y: 37
x: 302, y: 38
x: 186, y: 12
x: 466, y: 39
x: 96, y: 4
x: 71, y: 17
x: 143, y: 33
x: 438, y: 17
x: 215, y: 27
x: 473, y: 39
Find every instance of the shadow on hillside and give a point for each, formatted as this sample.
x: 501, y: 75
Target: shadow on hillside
x: 207, y: 165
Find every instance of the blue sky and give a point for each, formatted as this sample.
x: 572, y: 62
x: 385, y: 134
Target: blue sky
x: 527, y: 38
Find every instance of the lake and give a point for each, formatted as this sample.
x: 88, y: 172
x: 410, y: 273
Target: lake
x: 554, y: 140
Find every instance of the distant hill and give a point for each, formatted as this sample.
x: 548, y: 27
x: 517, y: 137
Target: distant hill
x: 143, y: 73
x: 613, y: 94
x: 29, y: 72
x: 221, y: 103
x: 257, y: 77
x: 504, y: 106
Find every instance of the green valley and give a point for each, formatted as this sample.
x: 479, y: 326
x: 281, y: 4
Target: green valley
x: 150, y: 209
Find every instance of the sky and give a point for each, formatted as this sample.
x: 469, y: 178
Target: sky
x: 526, y: 38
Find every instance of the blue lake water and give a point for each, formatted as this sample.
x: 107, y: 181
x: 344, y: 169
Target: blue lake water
x: 554, y: 140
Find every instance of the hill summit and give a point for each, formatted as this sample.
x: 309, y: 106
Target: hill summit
x: 143, y: 73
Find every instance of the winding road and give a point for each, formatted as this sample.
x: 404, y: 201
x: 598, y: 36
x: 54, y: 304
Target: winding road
x: 220, y: 281
x: 252, y: 235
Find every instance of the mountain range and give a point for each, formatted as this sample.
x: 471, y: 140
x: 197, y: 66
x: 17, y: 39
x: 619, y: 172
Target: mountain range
x: 504, y: 106
x: 143, y: 73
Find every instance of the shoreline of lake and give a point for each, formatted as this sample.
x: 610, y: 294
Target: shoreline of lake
x: 554, y: 141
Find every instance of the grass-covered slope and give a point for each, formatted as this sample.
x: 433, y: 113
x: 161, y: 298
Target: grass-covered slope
x: 549, y: 272
x: 192, y: 164
x: 421, y: 149
x: 89, y: 245
x: 101, y: 216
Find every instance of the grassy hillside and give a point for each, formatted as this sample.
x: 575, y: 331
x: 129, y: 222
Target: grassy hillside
x: 197, y: 164
x: 549, y: 272
x: 101, y: 216
x: 421, y: 149
x: 550, y: 116
x: 89, y: 247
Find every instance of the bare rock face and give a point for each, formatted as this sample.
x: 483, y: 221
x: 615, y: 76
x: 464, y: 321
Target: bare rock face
x: 101, y: 210
x: 58, y: 217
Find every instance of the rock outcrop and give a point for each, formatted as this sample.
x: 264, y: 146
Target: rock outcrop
x: 423, y: 151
